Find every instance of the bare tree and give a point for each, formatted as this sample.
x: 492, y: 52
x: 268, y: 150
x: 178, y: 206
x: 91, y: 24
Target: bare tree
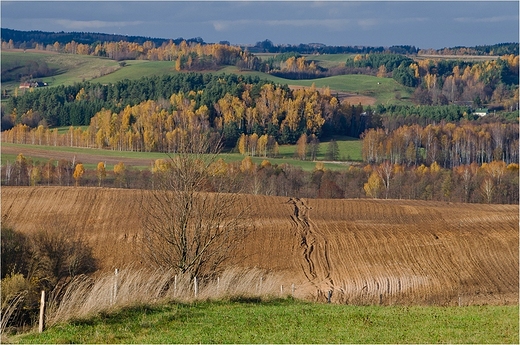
x: 191, y: 221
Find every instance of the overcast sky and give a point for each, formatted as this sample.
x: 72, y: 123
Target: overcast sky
x: 423, y: 24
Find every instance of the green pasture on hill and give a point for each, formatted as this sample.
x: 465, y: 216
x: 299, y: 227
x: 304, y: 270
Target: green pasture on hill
x: 287, y: 321
x: 328, y: 60
x: 70, y: 69
x: 136, y: 69
x: 384, y: 90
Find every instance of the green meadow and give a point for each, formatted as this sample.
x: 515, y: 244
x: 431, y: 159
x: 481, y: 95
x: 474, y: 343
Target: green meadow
x: 67, y: 68
x: 286, y: 321
x: 70, y: 69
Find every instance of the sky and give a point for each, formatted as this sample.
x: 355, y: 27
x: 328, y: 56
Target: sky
x: 424, y: 24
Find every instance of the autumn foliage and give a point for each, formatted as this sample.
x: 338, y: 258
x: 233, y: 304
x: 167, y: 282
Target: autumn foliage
x: 447, y: 144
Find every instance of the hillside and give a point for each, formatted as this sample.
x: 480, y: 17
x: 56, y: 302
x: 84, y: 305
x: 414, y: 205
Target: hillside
x: 365, y: 251
x: 67, y: 69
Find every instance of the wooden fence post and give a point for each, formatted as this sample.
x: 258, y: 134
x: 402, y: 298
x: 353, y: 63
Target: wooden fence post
x: 196, y: 288
x: 114, y: 296
x: 292, y: 289
x: 41, y: 325
x: 175, y: 286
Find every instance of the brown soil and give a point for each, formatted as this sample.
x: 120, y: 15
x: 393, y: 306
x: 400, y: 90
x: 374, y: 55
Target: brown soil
x: 364, y: 251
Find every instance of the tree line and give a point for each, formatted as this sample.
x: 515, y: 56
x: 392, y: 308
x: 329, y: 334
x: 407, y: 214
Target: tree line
x: 153, y: 125
x: 29, y: 39
x: 493, y: 49
x: 76, y: 104
x: 447, y: 144
x: 437, y: 81
x: 443, y: 82
x: 493, y: 182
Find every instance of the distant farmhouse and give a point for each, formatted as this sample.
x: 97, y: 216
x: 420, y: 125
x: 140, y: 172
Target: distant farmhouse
x: 28, y: 85
x: 481, y: 111
x: 478, y: 111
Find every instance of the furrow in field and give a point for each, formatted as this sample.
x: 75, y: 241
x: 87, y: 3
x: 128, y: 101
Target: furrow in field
x: 365, y: 251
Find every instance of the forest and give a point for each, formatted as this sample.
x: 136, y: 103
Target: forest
x: 435, y: 141
x: 494, y: 182
x: 230, y: 104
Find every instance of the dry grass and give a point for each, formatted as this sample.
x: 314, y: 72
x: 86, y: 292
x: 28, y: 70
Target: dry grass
x: 85, y: 296
x: 9, y: 310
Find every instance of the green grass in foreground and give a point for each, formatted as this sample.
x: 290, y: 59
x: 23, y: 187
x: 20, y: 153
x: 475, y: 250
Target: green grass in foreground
x: 288, y: 321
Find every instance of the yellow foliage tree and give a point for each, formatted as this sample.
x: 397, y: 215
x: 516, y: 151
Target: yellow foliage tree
x: 242, y: 144
x: 78, y: 173
x: 381, y: 72
x: 247, y: 165
x: 262, y: 145
x: 373, y: 186
x: 218, y: 168
x: 120, y: 172
x: 301, y: 147
x: 266, y: 164
x: 36, y: 175
x: 101, y: 173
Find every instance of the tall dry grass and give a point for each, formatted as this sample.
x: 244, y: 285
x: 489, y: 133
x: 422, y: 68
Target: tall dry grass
x: 9, y: 310
x: 85, y: 296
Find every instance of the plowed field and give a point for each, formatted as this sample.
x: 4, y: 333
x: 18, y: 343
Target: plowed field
x: 364, y: 251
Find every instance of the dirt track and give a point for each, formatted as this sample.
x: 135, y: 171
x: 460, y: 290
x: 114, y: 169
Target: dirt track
x: 85, y: 158
x: 363, y: 251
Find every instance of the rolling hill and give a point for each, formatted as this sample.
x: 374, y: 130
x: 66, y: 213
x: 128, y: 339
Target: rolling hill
x: 67, y: 69
x: 364, y: 251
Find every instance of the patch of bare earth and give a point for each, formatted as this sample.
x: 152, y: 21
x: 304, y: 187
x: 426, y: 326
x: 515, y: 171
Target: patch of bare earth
x: 363, y: 251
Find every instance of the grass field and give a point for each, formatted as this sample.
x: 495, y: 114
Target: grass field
x: 328, y: 60
x: 69, y: 68
x: 287, y: 321
x: 349, y: 149
x: 77, y: 68
x: 137, y: 69
x: 382, y: 89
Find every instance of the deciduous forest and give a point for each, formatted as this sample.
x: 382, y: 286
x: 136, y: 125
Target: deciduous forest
x: 435, y: 139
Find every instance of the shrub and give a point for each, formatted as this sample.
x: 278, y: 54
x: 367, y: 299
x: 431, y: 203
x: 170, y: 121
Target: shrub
x: 46, y: 260
x: 19, y: 301
x: 15, y: 249
x: 59, y: 254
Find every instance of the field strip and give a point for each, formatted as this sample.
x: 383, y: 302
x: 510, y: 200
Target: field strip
x: 365, y: 251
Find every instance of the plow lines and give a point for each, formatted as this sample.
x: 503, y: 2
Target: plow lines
x: 359, y: 251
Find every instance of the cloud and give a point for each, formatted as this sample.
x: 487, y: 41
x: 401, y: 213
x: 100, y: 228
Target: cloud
x: 331, y: 24
x: 92, y: 24
x: 495, y: 19
x: 370, y: 23
x: 408, y: 20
